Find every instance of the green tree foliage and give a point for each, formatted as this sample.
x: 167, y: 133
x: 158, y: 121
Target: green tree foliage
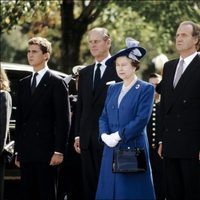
x: 65, y: 23
x: 17, y: 12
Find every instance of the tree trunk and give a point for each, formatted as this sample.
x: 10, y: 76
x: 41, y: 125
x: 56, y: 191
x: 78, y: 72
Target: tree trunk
x: 74, y: 29
x: 72, y: 33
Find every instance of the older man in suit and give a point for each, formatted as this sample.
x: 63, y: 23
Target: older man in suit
x: 92, y: 88
x: 180, y: 121
x: 42, y: 124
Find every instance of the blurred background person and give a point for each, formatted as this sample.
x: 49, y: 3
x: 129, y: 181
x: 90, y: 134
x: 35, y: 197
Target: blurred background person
x: 152, y: 132
x: 5, y: 114
x: 159, y: 62
x: 70, y: 185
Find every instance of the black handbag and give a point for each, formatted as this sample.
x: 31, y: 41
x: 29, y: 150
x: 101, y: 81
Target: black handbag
x: 129, y: 160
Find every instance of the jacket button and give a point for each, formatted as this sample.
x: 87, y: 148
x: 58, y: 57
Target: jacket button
x: 179, y: 130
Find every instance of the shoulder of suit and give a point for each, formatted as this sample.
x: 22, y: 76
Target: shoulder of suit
x: 86, y: 69
x: 53, y: 75
x: 25, y: 78
x: 170, y: 62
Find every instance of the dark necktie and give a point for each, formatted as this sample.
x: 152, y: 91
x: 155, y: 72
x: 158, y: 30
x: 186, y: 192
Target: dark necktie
x: 33, y: 85
x: 97, y: 76
x: 179, y: 72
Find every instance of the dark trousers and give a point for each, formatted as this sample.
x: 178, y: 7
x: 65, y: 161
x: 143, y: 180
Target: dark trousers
x: 91, y: 162
x: 182, y: 179
x: 38, y: 181
x: 70, y: 176
x: 2, y: 172
x: 158, y: 175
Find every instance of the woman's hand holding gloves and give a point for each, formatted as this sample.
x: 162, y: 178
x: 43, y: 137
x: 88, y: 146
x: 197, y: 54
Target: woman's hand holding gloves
x: 111, y: 140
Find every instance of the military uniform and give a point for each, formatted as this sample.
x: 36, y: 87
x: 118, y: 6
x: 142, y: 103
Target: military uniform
x: 156, y: 161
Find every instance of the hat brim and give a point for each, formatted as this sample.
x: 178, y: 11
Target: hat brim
x: 125, y: 52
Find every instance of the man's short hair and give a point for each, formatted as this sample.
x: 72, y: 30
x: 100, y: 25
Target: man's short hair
x: 104, y: 32
x: 43, y: 43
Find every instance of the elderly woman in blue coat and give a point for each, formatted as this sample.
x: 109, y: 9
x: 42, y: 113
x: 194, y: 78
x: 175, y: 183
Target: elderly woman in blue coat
x: 124, y: 118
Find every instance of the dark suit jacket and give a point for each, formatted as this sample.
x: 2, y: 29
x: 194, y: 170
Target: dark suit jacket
x: 89, y: 106
x: 42, y: 118
x: 180, y: 111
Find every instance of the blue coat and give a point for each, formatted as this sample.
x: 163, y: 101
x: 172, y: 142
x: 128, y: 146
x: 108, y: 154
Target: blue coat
x: 130, y: 119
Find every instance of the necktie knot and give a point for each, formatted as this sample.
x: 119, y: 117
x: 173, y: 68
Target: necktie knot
x: 34, y: 83
x: 98, y: 65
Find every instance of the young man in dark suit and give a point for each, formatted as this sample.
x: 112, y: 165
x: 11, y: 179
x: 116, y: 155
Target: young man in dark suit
x: 180, y: 121
x: 92, y: 89
x: 42, y: 125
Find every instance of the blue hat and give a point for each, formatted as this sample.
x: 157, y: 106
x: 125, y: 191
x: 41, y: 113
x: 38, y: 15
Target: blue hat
x: 133, y: 51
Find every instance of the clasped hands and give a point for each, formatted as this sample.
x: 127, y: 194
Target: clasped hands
x: 111, y: 140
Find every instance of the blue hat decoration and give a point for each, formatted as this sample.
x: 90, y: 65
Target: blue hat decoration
x: 132, y: 51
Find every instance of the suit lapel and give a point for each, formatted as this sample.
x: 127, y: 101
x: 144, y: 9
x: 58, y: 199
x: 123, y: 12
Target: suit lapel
x: 183, y: 82
x: 43, y: 84
x: 89, y: 80
x: 26, y: 95
x: 106, y: 77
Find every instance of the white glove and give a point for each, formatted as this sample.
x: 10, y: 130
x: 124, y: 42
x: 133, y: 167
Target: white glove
x: 116, y: 136
x: 109, y: 140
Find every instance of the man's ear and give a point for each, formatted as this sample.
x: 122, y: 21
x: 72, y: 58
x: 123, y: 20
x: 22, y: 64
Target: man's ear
x: 47, y: 56
x: 109, y: 42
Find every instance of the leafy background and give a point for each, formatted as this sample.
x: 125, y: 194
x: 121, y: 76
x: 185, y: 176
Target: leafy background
x: 66, y: 22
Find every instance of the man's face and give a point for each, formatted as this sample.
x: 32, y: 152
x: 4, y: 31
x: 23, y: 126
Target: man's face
x: 99, y: 48
x: 185, y: 42
x: 36, y: 57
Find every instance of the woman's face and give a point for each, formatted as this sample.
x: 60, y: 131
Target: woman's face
x: 124, y: 68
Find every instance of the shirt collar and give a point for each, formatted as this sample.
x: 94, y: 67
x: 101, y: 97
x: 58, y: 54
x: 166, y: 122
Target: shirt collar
x: 42, y: 71
x: 103, y: 61
x: 189, y: 59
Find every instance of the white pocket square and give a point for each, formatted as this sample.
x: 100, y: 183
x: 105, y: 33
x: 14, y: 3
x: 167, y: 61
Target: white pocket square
x: 110, y: 82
